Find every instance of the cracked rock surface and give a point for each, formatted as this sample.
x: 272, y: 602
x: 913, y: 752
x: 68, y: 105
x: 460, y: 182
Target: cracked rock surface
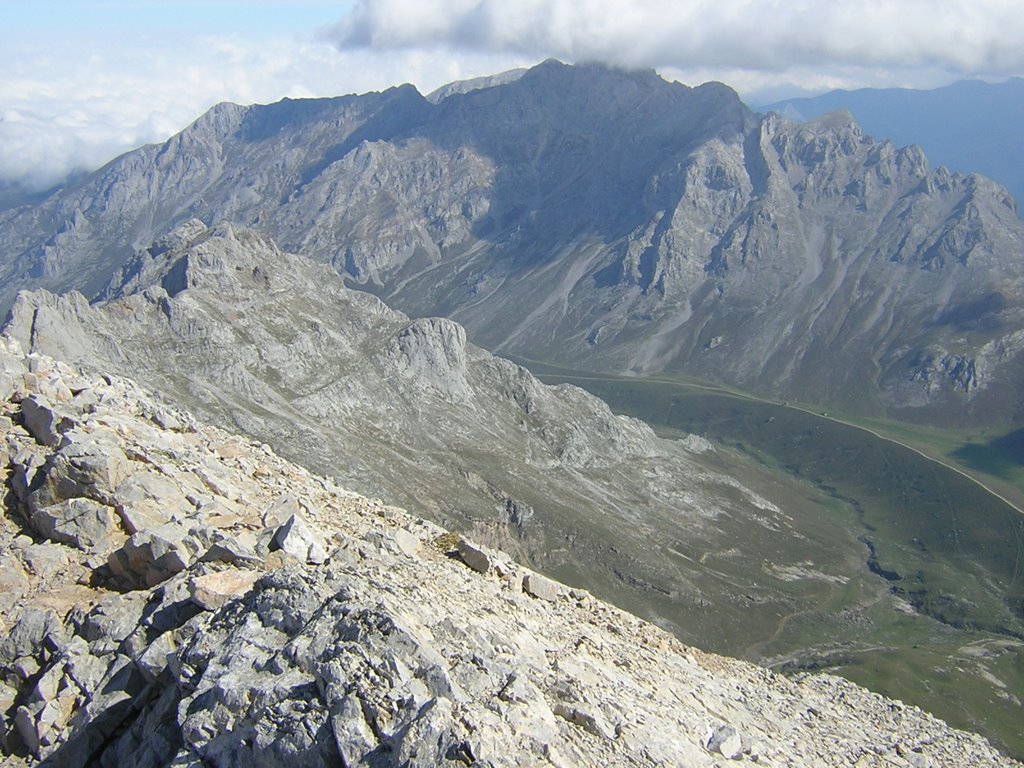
x: 210, y: 637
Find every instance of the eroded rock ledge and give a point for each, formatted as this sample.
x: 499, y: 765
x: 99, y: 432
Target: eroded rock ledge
x: 171, y: 594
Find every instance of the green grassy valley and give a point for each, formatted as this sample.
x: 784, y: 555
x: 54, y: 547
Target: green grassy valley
x: 921, y: 595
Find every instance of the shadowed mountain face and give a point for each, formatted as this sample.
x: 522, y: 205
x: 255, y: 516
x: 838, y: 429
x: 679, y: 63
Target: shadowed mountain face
x: 606, y: 220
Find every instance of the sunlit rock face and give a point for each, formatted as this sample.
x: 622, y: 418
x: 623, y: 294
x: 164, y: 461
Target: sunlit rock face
x: 601, y: 219
x: 271, y: 617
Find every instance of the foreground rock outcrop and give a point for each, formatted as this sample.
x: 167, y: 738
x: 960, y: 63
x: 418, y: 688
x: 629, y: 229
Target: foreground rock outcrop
x: 176, y: 595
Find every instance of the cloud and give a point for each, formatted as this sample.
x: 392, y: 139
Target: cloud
x: 969, y: 37
x: 76, y: 104
x: 74, y: 97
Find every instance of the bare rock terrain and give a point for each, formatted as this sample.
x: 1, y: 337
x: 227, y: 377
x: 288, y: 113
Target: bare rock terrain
x: 177, y: 595
x: 601, y: 219
x: 257, y: 340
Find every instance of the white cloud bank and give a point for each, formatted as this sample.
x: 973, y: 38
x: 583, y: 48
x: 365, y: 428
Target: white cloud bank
x: 76, y: 101
x: 969, y: 37
x: 76, y: 106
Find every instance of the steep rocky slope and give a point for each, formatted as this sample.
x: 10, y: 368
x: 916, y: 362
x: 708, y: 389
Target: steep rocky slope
x: 605, y: 220
x: 176, y: 595
x: 271, y: 344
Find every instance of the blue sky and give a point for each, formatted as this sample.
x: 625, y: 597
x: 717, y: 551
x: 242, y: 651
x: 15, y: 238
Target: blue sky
x: 81, y: 81
x: 116, y: 17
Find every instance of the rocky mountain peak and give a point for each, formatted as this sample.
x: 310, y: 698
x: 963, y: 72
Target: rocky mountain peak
x: 222, y: 258
x: 210, y: 129
x: 603, y: 217
x: 608, y: 95
x: 837, y: 120
x: 474, y: 84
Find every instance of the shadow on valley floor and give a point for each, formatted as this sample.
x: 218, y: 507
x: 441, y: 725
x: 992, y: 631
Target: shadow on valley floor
x: 1000, y: 457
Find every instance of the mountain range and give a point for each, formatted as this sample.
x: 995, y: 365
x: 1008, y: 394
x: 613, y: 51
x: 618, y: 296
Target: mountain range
x: 591, y: 218
x: 720, y: 550
x: 970, y: 126
x: 600, y: 219
x: 274, y: 345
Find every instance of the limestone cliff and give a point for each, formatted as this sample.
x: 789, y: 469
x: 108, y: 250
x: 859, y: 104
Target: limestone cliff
x: 604, y: 219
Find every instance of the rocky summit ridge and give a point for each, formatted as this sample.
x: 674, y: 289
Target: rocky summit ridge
x: 601, y: 219
x: 177, y: 595
x: 257, y: 340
